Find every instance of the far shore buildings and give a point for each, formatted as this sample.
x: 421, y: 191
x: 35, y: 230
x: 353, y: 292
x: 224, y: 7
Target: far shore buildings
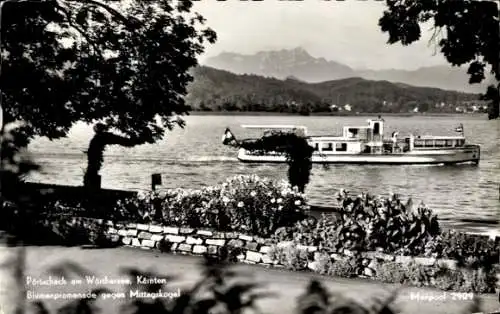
x: 472, y: 106
x: 346, y: 107
x: 462, y: 107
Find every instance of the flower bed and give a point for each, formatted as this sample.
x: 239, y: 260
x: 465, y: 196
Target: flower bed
x: 368, y: 236
x: 366, y: 223
x: 262, y: 207
x: 245, y: 203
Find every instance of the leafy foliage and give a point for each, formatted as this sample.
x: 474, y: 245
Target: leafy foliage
x: 15, y: 162
x: 118, y: 57
x: 216, y: 291
x: 387, y: 225
x: 294, y: 147
x: 122, y: 63
x: 220, y: 290
x: 369, y: 223
x: 462, y: 280
x: 291, y: 257
x: 217, y: 90
x: 466, y: 31
x: 347, y: 267
x: 249, y: 204
x: 317, y: 299
x: 391, y: 272
x: 471, y: 251
x: 14, y: 165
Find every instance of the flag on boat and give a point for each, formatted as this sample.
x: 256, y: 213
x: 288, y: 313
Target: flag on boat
x: 228, y: 137
x: 460, y: 128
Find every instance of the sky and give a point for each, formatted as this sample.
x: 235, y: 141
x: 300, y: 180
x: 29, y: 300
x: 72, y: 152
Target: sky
x: 342, y: 31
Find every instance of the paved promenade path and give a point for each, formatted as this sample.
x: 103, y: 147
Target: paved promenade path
x: 288, y: 285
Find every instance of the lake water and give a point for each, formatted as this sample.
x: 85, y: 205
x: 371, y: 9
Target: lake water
x: 463, y: 196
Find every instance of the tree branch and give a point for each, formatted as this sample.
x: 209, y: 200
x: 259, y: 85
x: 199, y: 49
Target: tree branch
x: 113, y: 12
x: 433, y: 40
x: 78, y: 29
x: 113, y: 139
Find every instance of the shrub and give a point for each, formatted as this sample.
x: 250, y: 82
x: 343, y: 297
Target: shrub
x: 283, y: 234
x: 469, y: 250
x: 462, y: 279
x: 324, y: 263
x: 387, y: 225
x: 448, y: 279
x: 369, y: 223
x: 290, y: 256
x: 479, y: 280
x: 391, y: 272
x: 418, y: 275
x: 347, y: 268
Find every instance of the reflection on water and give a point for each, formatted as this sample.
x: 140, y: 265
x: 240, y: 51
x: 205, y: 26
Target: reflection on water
x: 464, y: 196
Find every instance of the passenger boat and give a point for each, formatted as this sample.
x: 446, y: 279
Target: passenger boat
x: 367, y: 145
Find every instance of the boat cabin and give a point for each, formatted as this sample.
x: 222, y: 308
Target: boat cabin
x: 373, y: 132
x: 336, y: 145
x: 432, y: 142
x: 354, y: 140
x: 370, y: 140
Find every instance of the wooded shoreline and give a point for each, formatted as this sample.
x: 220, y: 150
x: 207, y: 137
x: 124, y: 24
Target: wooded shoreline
x: 331, y: 114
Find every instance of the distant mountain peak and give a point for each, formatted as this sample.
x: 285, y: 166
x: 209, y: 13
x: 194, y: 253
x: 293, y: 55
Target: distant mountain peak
x: 300, y: 50
x: 298, y: 54
x: 298, y: 63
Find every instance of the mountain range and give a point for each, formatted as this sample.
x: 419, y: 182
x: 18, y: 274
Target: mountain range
x: 219, y: 90
x: 299, y: 64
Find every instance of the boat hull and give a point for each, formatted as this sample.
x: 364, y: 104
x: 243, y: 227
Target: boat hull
x: 467, y: 154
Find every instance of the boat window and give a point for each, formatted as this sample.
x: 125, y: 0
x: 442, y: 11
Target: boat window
x: 429, y: 143
x: 316, y: 146
x: 327, y: 147
x: 341, y: 147
x: 440, y: 143
x: 353, y: 132
x: 450, y: 143
x: 461, y: 143
x: 418, y: 143
x: 376, y: 128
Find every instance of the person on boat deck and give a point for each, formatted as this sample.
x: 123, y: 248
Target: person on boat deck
x: 394, y: 137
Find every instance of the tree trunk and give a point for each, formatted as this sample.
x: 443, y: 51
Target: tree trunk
x: 95, y: 158
x: 494, y: 106
x: 299, y: 173
x: 95, y: 155
x: 496, y: 103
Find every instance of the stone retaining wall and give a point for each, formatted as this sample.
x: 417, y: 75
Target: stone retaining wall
x: 245, y: 248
